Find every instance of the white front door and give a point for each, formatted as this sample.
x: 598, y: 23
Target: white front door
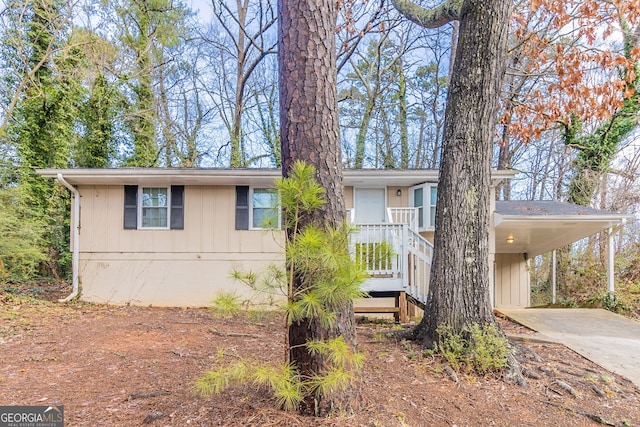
x: 370, y: 205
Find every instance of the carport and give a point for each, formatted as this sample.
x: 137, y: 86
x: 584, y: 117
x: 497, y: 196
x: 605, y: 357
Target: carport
x: 533, y: 228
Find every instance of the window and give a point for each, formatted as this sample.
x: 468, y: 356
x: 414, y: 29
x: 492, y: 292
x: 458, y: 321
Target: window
x: 256, y: 208
x: 154, y: 212
x: 418, y: 202
x: 264, y: 208
x: 154, y: 207
x: 426, y: 205
x: 433, y: 191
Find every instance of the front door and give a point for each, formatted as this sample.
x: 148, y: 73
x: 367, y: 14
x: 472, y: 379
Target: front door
x: 370, y: 205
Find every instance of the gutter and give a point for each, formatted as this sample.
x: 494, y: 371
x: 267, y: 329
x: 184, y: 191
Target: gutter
x: 247, y: 176
x: 76, y: 239
x: 615, y: 219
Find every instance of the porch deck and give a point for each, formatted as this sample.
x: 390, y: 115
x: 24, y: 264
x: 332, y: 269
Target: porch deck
x: 397, y: 258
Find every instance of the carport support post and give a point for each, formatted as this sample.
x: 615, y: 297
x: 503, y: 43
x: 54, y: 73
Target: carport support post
x: 553, y: 277
x: 610, y: 264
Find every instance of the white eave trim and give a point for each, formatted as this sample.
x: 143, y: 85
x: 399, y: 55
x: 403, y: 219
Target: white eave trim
x: 264, y: 177
x: 500, y: 175
x: 610, y: 218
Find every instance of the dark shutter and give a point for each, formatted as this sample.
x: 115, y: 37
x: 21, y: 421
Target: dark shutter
x: 177, y: 207
x: 130, y: 207
x: 242, y: 207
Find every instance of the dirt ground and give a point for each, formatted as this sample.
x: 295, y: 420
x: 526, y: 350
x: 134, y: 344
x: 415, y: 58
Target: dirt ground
x: 127, y: 366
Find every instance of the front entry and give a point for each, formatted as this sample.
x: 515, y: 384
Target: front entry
x: 370, y: 205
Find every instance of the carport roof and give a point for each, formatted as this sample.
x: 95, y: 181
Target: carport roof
x: 537, y: 227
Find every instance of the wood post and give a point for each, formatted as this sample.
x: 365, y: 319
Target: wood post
x: 403, y: 307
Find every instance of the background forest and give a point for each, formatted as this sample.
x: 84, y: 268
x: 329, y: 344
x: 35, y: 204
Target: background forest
x: 162, y: 83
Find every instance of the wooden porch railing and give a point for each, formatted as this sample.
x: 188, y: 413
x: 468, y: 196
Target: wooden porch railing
x: 407, y: 216
x: 396, y: 257
x: 419, y: 254
x: 379, y: 248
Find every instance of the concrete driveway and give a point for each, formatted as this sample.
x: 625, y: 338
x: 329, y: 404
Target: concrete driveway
x: 608, y: 339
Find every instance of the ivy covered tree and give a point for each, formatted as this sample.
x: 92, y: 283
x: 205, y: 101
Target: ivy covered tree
x: 96, y: 148
x: 597, y: 149
x: 571, y: 78
x: 42, y: 126
x: 147, y: 28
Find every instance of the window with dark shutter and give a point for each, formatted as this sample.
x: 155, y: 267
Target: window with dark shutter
x: 177, y: 207
x: 130, y: 207
x: 242, y: 207
x: 264, y: 212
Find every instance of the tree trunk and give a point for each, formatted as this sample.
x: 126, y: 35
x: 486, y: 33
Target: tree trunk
x: 386, y: 148
x: 459, y: 286
x: 309, y: 132
x: 402, y: 117
x: 361, y: 138
x: 238, y: 155
x: 419, y: 163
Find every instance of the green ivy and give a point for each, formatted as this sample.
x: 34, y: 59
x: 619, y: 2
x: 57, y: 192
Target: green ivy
x: 22, y: 245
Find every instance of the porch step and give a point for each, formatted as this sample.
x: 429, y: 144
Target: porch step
x: 399, y: 310
x: 377, y: 309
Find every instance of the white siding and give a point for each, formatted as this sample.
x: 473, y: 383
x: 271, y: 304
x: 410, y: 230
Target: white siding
x: 512, y: 283
x: 168, y: 267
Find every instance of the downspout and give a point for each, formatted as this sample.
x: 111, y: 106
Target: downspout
x: 554, y: 283
x: 76, y: 239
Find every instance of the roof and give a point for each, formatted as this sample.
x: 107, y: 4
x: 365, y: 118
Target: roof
x: 248, y: 176
x: 536, y: 227
x: 545, y: 208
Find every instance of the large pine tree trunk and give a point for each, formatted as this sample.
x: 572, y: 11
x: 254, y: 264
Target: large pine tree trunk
x: 309, y: 132
x: 459, y: 287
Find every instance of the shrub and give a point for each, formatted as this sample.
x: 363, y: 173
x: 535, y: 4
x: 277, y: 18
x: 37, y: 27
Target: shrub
x: 286, y: 385
x: 482, y: 348
x: 21, y: 245
x: 226, y: 305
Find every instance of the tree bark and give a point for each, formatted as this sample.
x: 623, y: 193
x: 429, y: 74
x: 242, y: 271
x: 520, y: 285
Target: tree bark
x: 309, y: 132
x: 459, y: 286
x: 430, y: 18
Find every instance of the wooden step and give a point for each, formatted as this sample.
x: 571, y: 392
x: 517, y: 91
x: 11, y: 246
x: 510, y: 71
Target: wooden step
x: 399, y: 310
x: 377, y: 309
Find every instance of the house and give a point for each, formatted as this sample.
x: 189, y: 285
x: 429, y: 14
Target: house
x: 171, y: 237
